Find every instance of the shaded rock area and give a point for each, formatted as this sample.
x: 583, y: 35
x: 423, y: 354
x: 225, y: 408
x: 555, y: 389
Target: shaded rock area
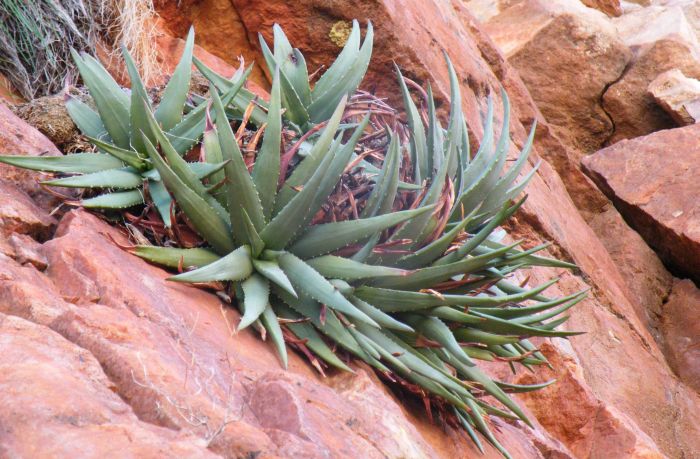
x: 681, y: 333
x: 97, y: 347
x: 678, y: 95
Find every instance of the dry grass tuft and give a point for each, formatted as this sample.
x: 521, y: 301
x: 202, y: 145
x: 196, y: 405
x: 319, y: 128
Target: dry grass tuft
x: 36, y: 38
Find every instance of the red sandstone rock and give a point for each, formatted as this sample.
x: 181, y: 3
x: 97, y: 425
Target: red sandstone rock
x: 57, y: 402
x: 567, y: 55
x: 678, y: 95
x: 19, y: 138
x: 681, y: 331
x: 609, y: 7
x: 662, y: 39
x: 653, y: 181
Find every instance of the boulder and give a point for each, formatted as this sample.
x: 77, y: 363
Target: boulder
x: 678, y: 95
x: 681, y: 331
x: 19, y: 138
x: 653, y: 181
x: 59, y: 403
x: 662, y: 40
x: 609, y: 7
x: 218, y: 28
x: 566, y: 55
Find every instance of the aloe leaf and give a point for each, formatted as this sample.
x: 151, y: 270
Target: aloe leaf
x: 174, y: 258
x: 296, y: 213
x: 241, y: 98
x: 234, y: 266
x: 295, y: 109
x: 383, y: 319
x: 478, y: 190
x: 434, y: 329
x: 472, y: 243
x: 169, y: 112
x: 419, y: 144
x: 256, y: 294
x: 474, y: 335
x: 87, y: 120
x: 76, y: 163
x: 272, y: 325
x: 128, y: 157
x: 212, y: 150
x: 334, y: 267
x: 266, y: 170
x: 435, y: 135
x: 342, y: 81
x: 111, y: 101
x: 160, y: 197
x: 182, y: 169
x: 520, y: 388
x: 381, y: 199
x: 140, y: 103
x: 292, y: 64
x: 251, y: 235
x: 505, y: 182
x: 305, y: 331
x: 303, y: 172
x: 241, y: 192
x: 343, y: 76
x: 390, y: 300
x: 426, y: 277
x: 324, y: 238
x: 114, y: 178
x: 426, y: 255
x: 520, y: 311
x: 204, y: 170
x: 205, y: 219
x: 117, y: 200
x: 273, y: 272
x: 331, y: 327
x: 308, y: 280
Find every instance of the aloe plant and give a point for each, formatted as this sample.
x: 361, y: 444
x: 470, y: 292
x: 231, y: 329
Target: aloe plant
x: 417, y: 285
x: 122, y: 165
x: 424, y: 314
x: 304, y: 106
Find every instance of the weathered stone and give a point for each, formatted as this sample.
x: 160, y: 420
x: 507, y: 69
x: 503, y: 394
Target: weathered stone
x: 28, y: 251
x: 609, y: 7
x: 645, y: 26
x: 567, y: 55
x: 19, y: 138
x: 678, y: 95
x: 653, y: 181
x: 662, y: 40
x: 647, y: 278
x: 57, y: 402
x: 681, y: 332
x: 218, y: 28
x: 19, y: 214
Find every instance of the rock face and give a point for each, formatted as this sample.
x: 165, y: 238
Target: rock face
x: 567, y: 55
x: 184, y: 381
x: 653, y: 181
x: 662, y: 39
x: 678, y: 95
x: 682, y: 333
